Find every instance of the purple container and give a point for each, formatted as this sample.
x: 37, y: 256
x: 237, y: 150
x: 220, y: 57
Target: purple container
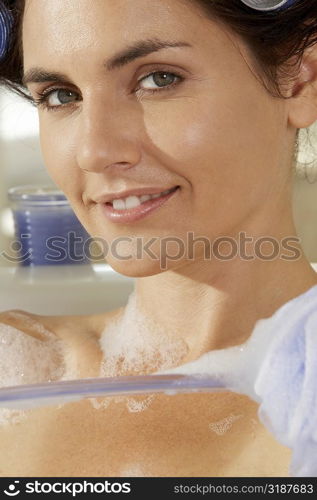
x: 47, y: 231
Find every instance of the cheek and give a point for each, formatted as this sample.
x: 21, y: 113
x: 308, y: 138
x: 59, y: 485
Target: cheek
x: 58, y: 154
x: 179, y: 129
x: 224, y: 151
x: 206, y: 141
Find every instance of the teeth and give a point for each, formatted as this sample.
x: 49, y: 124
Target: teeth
x: 146, y: 197
x: 118, y: 204
x: 132, y: 202
x: 135, y: 201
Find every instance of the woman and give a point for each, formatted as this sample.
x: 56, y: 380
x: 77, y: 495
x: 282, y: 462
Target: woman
x: 202, y: 101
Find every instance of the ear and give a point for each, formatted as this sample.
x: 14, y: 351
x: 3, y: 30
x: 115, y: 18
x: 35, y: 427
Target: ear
x: 303, y: 100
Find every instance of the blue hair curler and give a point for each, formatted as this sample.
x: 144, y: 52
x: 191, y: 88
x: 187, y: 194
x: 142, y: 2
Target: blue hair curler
x: 269, y: 5
x: 6, y: 21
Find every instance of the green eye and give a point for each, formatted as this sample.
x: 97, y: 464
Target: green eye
x: 161, y: 78
x: 64, y: 96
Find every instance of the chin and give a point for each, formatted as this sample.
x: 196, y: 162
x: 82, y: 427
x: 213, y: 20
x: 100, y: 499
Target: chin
x: 136, y: 268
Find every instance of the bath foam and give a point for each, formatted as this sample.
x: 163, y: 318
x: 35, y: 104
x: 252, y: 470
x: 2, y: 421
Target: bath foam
x: 235, y: 367
x: 99, y: 404
x: 70, y: 369
x: 134, y: 404
x: 134, y: 344
x: 27, y: 360
x: 224, y: 425
x: 28, y: 321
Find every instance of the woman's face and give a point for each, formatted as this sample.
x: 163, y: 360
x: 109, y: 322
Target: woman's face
x: 203, y: 121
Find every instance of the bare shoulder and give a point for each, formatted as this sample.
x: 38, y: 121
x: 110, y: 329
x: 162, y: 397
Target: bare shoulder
x: 79, y: 326
x: 29, y: 352
x: 64, y: 327
x: 25, y: 322
x: 72, y: 342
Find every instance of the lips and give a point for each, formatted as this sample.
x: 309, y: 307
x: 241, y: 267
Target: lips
x: 133, y: 214
x: 134, y: 201
x: 109, y: 197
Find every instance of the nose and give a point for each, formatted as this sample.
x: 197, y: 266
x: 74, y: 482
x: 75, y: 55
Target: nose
x: 108, y: 136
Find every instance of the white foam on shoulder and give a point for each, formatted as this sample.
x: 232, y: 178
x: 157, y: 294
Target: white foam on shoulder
x: 134, y: 344
x: 236, y: 367
x: 32, y: 323
x: 28, y: 360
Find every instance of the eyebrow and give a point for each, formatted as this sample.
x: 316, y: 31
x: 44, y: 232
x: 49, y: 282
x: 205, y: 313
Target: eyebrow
x: 138, y: 49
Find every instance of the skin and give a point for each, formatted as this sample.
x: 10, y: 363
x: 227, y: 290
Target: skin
x: 192, y: 435
x: 197, y: 135
x: 226, y: 142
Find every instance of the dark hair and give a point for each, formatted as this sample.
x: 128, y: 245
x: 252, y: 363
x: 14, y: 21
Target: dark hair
x: 277, y: 41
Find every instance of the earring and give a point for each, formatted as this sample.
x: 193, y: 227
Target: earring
x: 305, y: 154
x: 307, y: 171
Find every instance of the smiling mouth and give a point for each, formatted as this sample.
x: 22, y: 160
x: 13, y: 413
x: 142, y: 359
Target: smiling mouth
x: 135, y: 208
x: 135, y: 201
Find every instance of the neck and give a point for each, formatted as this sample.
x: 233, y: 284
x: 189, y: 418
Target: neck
x: 213, y: 304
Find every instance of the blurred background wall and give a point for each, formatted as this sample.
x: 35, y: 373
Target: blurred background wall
x: 21, y: 163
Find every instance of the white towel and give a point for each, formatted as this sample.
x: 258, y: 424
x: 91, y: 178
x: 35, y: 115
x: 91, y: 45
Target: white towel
x: 286, y: 383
